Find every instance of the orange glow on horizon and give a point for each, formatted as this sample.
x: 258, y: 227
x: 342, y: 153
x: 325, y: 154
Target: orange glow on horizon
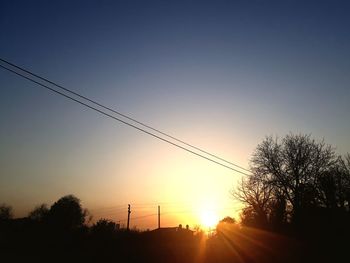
x: 208, y: 215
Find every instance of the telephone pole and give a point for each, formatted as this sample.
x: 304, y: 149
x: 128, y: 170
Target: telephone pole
x: 129, y: 211
x: 159, y: 216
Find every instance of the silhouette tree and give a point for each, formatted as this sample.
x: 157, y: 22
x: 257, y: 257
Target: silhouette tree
x: 228, y: 220
x: 344, y: 182
x: 67, y: 213
x: 104, y: 228
x: 278, y: 211
x: 249, y: 217
x: 5, y: 212
x: 298, y: 180
x: 39, y: 213
x: 258, y: 195
x: 293, y: 167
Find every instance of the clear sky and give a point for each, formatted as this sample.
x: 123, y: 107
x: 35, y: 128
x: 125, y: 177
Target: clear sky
x: 221, y: 75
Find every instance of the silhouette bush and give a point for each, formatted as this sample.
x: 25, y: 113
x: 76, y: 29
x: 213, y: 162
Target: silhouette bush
x: 228, y: 220
x: 67, y: 213
x: 5, y: 212
x: 39, y: 213
x: 104, y: 228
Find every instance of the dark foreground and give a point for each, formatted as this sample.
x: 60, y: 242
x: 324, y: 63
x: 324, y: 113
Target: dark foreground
x: 24, y: 240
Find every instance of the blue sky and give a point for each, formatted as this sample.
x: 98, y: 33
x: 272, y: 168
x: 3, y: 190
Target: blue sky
x: 221, y: 75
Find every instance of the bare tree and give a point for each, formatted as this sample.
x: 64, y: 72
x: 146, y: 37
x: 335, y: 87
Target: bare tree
x: 256, y: 194
x: 293, y: 167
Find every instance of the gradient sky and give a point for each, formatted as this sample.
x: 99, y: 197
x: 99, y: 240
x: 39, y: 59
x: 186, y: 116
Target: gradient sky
x: 220, y: 75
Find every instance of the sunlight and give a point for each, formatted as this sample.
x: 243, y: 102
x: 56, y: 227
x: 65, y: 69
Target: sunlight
x: 209, y: 218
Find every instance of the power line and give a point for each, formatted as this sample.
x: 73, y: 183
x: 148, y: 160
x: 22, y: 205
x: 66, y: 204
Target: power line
x: 141, y: 217
x: 108, y: 212
x: 124, y: 115
x: 118, y: 207
x: 118, y: 119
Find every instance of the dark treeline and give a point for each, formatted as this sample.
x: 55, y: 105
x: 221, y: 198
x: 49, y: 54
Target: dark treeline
x: 297, y: 210
x: 60, y: 234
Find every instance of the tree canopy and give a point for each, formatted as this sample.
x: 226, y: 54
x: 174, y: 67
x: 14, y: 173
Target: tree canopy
x: 293, y: 177
x: 39, y: 213
x: 67, y: 213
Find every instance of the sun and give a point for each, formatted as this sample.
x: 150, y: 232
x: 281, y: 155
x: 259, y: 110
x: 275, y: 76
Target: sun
x: 208, y: 219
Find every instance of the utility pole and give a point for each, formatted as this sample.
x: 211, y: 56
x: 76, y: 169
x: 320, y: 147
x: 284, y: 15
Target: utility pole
x: 129, y: 211
x: 159, y: 216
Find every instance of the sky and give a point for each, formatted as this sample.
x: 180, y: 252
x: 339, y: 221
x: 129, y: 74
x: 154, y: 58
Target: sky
x: 221, y: 75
